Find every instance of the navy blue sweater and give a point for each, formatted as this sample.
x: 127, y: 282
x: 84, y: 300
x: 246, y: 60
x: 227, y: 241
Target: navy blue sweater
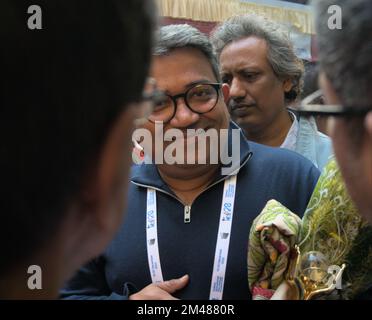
x: 266, y: 173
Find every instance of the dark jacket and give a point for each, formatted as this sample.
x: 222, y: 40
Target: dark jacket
x: 266, y: 173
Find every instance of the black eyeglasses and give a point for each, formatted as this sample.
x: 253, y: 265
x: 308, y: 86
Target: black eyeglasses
x: 151, y: 97
x: 200, y: 98
x: 310, y: 106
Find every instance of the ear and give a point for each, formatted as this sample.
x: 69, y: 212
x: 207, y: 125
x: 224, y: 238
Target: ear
x: 226, y: 92
x: 287, y: 85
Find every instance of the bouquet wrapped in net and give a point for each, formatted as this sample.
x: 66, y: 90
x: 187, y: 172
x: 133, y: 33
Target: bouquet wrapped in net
x: 330, y: 248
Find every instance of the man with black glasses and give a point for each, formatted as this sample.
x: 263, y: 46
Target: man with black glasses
x: 346, y: 75
x: 346, y: 64
x: 189, y: 214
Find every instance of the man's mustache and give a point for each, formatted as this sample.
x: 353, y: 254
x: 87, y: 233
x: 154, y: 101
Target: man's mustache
x: 240, y: 104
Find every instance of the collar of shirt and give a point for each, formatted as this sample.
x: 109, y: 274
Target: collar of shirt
x: 291, y: 138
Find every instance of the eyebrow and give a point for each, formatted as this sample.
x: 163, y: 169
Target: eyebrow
x: 193, y: 83
x: 244, y: 69
x: 243, y: 63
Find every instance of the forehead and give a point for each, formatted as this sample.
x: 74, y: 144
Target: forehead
x: 244, y: 53
x: 180, y: 67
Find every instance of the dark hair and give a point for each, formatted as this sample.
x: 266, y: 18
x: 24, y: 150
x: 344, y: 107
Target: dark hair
x: 346, y: 54
x: 65, y: 85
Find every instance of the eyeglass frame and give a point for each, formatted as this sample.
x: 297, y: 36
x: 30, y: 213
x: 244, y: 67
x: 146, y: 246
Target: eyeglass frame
x: 335, y: 110
x: 153, y: 97
x: 216, y: 86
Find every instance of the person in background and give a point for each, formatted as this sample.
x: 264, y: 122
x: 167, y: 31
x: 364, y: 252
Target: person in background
x: 258, y: 62
x: 200, y: 221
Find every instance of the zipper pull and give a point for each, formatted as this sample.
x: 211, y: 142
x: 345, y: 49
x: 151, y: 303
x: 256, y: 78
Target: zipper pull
x: 187, y: 214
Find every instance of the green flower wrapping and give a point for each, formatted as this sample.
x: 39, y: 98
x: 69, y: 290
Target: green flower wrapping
x: 274, y: 232
x: 331, y: 225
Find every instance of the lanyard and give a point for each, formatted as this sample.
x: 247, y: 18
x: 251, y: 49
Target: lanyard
x: 222, y: 245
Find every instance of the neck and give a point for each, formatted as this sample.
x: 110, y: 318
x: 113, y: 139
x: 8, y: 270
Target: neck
x: 185, y: 185
x: 274, y: 134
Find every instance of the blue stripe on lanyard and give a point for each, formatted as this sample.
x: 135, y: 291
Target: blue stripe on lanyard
x: 152, y: 238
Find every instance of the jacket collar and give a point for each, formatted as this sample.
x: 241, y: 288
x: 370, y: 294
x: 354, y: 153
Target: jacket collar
x: 306, y: 137
x: 148, y: 175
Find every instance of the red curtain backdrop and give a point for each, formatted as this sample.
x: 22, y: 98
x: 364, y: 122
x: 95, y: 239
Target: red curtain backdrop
x: 205, y: 27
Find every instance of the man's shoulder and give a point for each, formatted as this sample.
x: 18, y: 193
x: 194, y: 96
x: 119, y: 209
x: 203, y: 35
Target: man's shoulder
x: 308, y: 127
x: 272, y: 156
x: 279, y: 164
x: 278, y: 173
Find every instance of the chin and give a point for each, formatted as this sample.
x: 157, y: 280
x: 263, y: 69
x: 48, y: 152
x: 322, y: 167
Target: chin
x: 242, y: 122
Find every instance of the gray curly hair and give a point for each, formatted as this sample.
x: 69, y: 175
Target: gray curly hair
x: 175, y: 36
x: 281, y: 55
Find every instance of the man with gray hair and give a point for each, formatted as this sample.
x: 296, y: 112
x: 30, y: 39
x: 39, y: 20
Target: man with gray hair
x: 191, y: 217
x: 346, y: 80
x: 344, y: 38
x: 260, y: 66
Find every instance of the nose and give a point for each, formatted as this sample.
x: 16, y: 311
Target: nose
x: 237, y: 89
x: 184, y: 116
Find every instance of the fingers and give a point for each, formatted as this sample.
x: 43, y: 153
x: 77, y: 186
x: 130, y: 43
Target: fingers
x: 168, y: 297
x: 161, y: 291
x: 286, y: 291
x: 152, y: 292
x: 173, y: 285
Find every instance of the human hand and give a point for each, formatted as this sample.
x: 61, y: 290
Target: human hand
x: 286, y: 291
x: 161, y: 291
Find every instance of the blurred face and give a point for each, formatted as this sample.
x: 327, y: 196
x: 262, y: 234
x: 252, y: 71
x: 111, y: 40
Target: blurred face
x: 113, y: 174
x: 119, y: 162
x: 256, y: 94
x: 175, y: 73
x: 97, y: 213
x: 353, y: 149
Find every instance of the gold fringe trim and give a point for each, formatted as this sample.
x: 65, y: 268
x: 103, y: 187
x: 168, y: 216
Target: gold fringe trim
x: 220, y: 10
